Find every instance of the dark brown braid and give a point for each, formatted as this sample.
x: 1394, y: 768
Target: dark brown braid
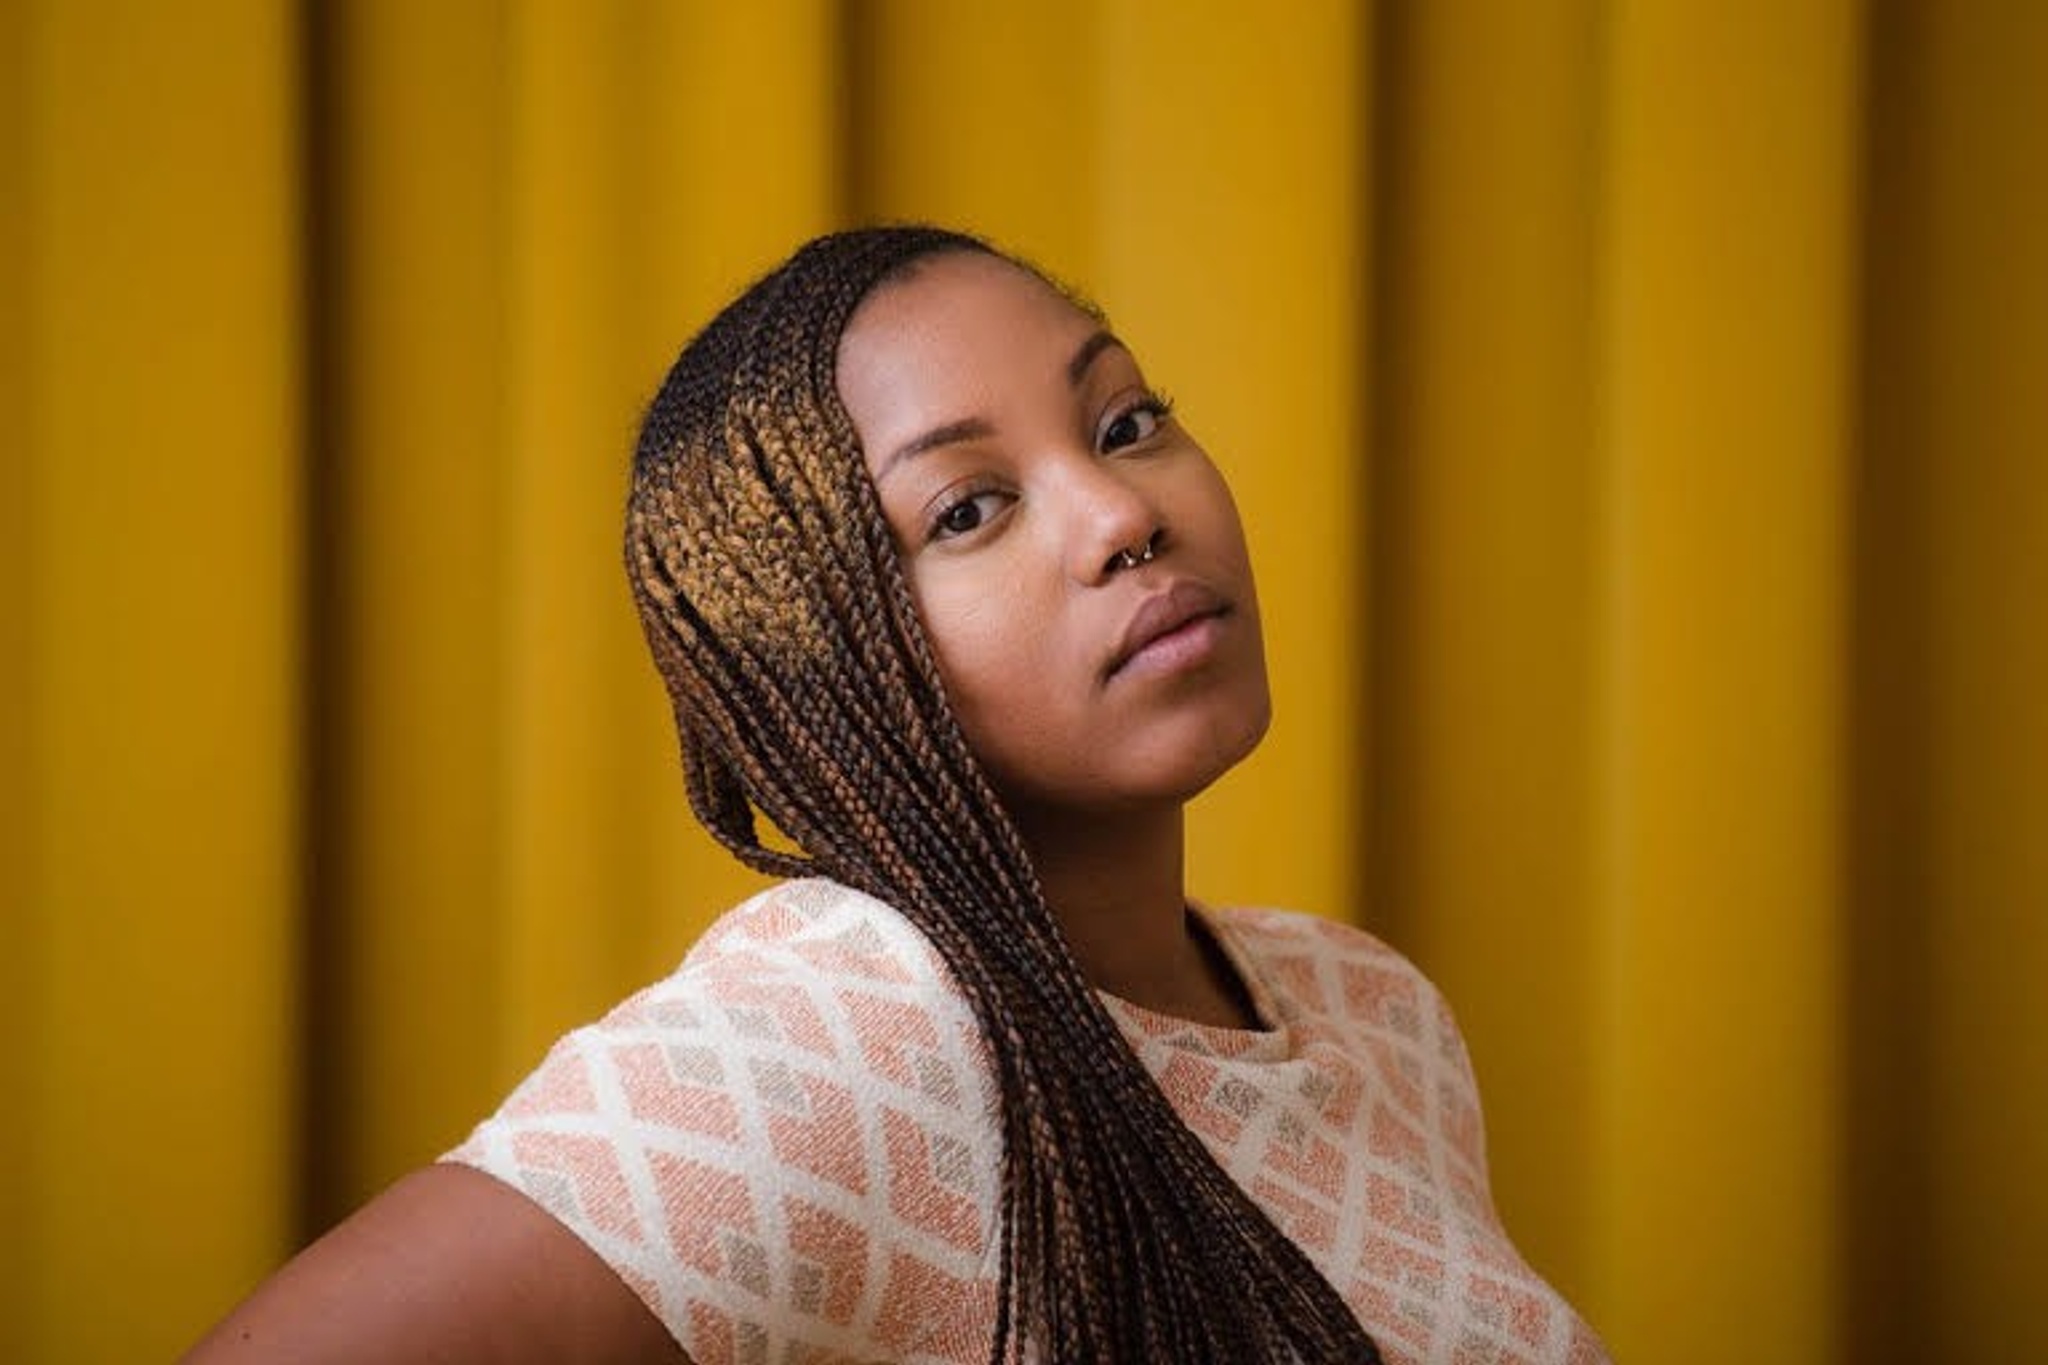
x: 804, y: 689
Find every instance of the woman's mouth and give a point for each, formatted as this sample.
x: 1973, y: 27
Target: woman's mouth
x: 1171, y: 630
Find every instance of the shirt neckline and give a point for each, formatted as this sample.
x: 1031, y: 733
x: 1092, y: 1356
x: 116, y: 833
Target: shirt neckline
x: 1269, y: 1038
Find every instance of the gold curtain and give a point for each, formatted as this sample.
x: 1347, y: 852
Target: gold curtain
x: 1640, y: 412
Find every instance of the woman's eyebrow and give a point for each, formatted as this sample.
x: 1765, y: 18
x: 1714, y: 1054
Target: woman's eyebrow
x: 1095, y: 345
x: 975, y: 428
x: 966, y: 429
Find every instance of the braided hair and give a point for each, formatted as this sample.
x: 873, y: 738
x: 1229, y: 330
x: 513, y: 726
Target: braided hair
x: 805, y: 690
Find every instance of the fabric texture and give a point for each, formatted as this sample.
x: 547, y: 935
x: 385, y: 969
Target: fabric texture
x: 788, y: 1147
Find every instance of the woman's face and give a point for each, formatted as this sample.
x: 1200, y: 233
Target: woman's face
x: 1018, y: 452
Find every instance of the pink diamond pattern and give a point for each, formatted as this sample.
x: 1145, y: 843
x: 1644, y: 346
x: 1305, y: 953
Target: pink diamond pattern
x: 789, y: 1149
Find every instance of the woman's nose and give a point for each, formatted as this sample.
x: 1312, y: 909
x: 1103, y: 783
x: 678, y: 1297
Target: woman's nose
x: 1114, y: 525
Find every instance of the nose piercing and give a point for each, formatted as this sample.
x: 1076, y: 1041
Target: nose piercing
x: 1144, y: 554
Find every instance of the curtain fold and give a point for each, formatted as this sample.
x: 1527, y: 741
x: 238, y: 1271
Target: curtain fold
x: 1488, y: 516
x: 521, y: 228
x: 1950, y: 873
x: 1638, y: 419
x: 1731, y: 169
x: 154, y: 668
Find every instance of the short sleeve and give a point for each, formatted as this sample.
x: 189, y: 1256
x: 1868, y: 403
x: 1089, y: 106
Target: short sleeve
x: 787, y: 1148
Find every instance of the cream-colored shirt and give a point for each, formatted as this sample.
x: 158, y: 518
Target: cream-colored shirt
x: 789, y: 1149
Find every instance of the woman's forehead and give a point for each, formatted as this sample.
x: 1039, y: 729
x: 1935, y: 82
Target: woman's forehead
x: 950, y: 342
x: 955, y: 303
x: 957, y: 286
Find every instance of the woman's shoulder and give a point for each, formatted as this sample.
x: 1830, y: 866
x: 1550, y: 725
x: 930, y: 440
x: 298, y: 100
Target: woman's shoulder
x: 1280, y: 931
x: 1315, y: 953
x: 810, y: 982
x: 807, y: 972
x: 818, y: 926
x: 1342, y: 973
x: 805, y: 1096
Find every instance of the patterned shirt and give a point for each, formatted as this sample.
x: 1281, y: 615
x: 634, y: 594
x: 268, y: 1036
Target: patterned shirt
x: 789, y: 1148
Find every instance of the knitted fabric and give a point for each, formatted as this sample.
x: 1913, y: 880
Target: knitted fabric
x: 789, y: 1149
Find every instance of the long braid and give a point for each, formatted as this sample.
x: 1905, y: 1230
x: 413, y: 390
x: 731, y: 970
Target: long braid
x: 805, y: 690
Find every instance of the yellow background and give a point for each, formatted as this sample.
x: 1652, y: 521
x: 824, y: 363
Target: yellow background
x: 1641, y: 416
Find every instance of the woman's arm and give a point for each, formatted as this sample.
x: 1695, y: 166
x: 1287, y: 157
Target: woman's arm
x: 447, y: 1265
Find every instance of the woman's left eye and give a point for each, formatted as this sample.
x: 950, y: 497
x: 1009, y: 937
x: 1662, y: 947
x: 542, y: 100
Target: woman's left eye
x: 965, y: 514
x: 1135, y: 422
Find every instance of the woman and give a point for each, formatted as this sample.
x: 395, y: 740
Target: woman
x: 941, y: 590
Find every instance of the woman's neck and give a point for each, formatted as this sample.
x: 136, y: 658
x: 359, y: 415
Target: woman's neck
x: 1117, y: 885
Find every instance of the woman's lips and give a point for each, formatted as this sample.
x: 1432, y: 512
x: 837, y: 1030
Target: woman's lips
x: 1170, y: 630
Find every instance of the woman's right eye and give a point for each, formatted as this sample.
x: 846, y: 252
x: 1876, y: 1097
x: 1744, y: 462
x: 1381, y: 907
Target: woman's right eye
x: 965, y: 515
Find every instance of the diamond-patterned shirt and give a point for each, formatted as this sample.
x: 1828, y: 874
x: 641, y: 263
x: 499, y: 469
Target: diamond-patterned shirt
x: 788, y: 1147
